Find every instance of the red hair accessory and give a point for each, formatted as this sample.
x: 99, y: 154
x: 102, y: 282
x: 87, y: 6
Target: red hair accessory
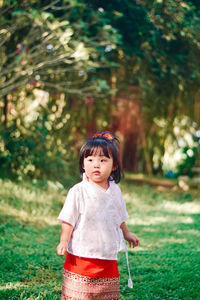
x: 106, y: 135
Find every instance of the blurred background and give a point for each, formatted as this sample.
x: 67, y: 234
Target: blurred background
x: 71, y: 68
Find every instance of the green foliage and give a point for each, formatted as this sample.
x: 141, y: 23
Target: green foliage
x: 167, y: 224
x: 49, y: 86
x: 180, y: 145
x: 157, y: 38
x: 174, y: 30
x: 157, y: 51
x: 70, y: 50
x: 30, y: 151
x: 52, y: 50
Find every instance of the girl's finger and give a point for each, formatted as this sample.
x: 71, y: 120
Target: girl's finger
x: 63, y: 251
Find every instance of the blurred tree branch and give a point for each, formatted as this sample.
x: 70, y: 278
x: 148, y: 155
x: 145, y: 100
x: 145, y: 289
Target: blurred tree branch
x: 36, y: 45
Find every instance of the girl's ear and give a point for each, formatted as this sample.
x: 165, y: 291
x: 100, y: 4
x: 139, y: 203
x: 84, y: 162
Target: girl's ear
x: 114, y: 168
x: 83, y: 167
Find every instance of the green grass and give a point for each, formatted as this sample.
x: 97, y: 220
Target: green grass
x: 165, y: 266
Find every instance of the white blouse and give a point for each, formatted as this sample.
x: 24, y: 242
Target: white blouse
x: 96, y: 216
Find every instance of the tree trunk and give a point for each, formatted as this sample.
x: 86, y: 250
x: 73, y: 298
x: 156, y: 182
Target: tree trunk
x: 126, y: 122
x: 147, y: 158
x: 197, y: 107
x: 5, y: 111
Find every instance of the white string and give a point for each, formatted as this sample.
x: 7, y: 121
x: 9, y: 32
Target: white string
x: 130, y: 282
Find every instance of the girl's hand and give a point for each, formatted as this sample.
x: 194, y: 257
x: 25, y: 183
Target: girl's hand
x: 64, y: 239
x: 132, y: 239
x: 62, y: 248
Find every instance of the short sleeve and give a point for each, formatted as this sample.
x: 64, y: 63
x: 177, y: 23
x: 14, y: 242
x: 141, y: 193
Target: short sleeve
x: 123, y: 212
x: 70, y: 210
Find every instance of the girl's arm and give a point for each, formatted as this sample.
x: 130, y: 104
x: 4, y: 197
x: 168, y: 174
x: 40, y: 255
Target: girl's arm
x: 64, y: 238
x: 129, y: 236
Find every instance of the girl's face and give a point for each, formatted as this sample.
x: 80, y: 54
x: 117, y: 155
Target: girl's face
x: 98, y: 168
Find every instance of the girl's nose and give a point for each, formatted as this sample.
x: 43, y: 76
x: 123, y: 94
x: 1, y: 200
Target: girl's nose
x: 96, y: 164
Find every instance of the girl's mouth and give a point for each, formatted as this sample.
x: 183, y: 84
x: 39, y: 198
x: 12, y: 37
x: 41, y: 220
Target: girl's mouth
x: 96, y: 172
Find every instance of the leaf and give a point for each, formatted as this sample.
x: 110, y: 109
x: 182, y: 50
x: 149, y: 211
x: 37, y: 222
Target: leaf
x: 17, y: 12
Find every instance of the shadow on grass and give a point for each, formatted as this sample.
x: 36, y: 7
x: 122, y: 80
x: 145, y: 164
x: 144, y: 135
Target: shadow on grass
x: 165, y: 266
x: 30, y: 268
x: 167, y: 263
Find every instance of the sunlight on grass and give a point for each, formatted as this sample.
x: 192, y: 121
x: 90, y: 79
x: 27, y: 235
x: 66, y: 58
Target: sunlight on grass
x: 186, y: 208
x: 10, y: 286
x: 166, y: 222
x: 31, y: 203
x: 174, y: 240
x: 192, y: 232
x: 24, y: 217
x: 22, y: 192
x: 156, y: 220
x: 135, y: 202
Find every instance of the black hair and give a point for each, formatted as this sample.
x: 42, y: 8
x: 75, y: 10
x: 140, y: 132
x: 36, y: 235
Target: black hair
x: 108, y: 147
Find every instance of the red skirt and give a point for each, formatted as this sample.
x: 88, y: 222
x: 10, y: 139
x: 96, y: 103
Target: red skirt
x: 90, y: 278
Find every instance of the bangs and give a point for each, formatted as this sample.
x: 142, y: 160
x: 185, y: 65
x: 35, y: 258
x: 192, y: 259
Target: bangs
x: 97, y: 147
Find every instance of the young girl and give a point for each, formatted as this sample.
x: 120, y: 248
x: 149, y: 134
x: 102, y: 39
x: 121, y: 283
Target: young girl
x: 93, y: 220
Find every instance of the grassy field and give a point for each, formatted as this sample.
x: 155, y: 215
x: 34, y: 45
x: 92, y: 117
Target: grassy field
x: 165, y: 266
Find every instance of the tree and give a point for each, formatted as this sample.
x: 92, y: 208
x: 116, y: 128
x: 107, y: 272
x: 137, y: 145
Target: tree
x: 55, y: 48
x: 53, y: 52
x: 158, y: 38
x: 80, y: 54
